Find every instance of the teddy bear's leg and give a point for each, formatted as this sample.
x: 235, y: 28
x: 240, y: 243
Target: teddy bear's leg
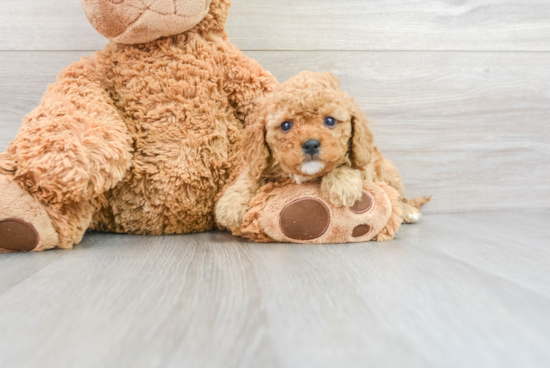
x: 70, y: 150
x: 26, y: 224
x: 24, y: 221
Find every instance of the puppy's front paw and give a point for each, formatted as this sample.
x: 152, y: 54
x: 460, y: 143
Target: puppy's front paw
x: 343, y: 190
x: 230, y: 214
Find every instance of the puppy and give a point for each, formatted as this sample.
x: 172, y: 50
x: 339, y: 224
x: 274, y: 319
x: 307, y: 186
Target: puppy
x: 309, y: 129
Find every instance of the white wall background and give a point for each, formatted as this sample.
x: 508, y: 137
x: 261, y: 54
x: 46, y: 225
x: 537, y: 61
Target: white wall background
x: 458, y: 91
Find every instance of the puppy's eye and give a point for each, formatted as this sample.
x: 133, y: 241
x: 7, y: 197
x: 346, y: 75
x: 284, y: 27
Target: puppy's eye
x: 286, y: 126
x: 330, y: 122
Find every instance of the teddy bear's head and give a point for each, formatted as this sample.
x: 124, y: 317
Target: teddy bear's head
x: 140, y: 21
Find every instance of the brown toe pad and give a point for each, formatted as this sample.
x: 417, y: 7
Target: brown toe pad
x: 363, y: 205
x: 360, y: 231
x: 17, y: 235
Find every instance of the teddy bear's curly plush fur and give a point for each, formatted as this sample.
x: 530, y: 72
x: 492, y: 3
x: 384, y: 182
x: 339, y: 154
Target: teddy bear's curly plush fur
x: 138, y: 139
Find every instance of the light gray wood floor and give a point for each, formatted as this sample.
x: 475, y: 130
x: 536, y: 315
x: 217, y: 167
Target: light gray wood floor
x: 457, y: 290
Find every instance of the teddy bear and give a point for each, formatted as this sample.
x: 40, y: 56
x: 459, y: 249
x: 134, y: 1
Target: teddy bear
x: 141, y: 137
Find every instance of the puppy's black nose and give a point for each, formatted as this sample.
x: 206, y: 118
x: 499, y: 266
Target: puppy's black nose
x: 311, y: 147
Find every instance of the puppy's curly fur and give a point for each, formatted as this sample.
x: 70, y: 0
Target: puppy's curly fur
x: 346, y: 155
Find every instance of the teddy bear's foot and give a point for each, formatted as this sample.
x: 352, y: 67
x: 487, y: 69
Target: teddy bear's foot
x: 300, y: 214
x: 24, y: 224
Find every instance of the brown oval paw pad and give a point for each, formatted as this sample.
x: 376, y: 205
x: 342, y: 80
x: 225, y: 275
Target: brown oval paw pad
x: 305, y: 219
x: 17, y: 235
x: 360, y: 230
x: 364, y: 204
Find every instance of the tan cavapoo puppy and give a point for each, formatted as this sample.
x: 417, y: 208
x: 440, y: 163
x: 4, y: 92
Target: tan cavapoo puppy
x: 309, y: 129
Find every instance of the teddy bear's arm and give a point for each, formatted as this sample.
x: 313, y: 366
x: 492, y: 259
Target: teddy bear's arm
x: 74, y: 146
x: 247, y: 82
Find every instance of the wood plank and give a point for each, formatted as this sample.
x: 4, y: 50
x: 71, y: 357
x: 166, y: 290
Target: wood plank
x: 470, y: 128
x: 442, y: 294
x: 390, y: 25
x: 313, y: 25
x: 47, y: 25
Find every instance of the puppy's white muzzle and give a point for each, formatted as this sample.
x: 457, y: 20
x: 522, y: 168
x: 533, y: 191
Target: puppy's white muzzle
x: 312, y: 167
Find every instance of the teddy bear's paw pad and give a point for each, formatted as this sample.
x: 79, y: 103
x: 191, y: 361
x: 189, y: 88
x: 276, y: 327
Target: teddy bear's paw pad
x: 360, y: 231
x: 18, y: 235
x: 305, y: 219
x: 363, y: 205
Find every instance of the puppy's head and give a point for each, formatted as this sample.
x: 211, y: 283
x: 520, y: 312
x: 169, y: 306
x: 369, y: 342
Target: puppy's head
x: 308, y: 126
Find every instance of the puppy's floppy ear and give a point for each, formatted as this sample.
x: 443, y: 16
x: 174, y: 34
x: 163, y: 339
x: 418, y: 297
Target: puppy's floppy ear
x: 361, y: 140
x: 256, y: 152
